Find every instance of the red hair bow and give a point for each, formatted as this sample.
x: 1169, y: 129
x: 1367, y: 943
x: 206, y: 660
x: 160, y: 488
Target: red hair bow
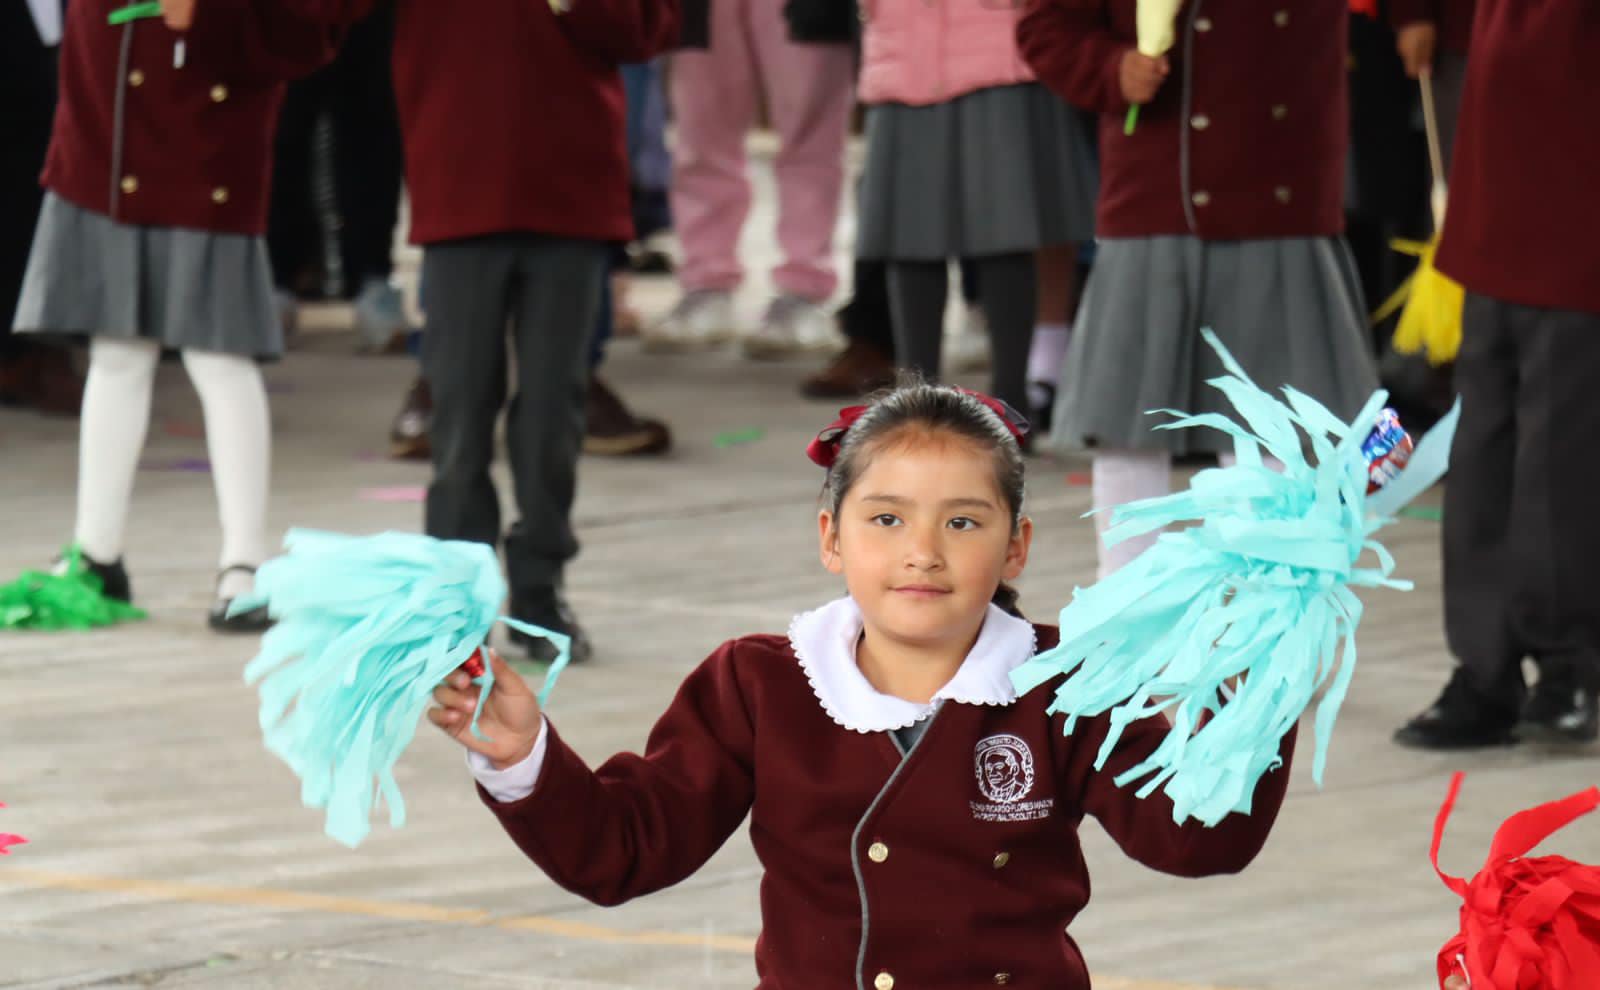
x: 1015, y: 421
x: 1526, y: 924
x: 824, y: 448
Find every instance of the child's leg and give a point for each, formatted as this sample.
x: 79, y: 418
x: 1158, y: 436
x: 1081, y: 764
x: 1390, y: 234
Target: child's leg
x: 464, y: 362
x: 1009, y: 285
x: 1122, y: 476
x: 1057, y: 267
x: 116, y: 414
x: 557, y: 288
x: 810, y: 91
x: 917, y: 291
x: 713, y: 95
x: 239, y: 441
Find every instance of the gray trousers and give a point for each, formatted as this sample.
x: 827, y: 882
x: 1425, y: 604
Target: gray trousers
x: 1521, y: 530
x: 542, y: 292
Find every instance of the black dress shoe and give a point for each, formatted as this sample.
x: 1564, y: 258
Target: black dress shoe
x: 1560, y: 711
x: 113, y: 577
x: 255, y: 620
x: 1460, y: 719
x: 552, y: 612
x: 408, y: 435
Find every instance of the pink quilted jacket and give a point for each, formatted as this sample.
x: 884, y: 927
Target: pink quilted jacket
x: 930, y: 51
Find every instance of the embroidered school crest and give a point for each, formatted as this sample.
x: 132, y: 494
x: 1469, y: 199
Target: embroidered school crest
x: 1004, y: 767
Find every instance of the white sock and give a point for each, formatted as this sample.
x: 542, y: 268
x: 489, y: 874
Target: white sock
x: 116, y: 416
x: 239, y: 440
x: 1122, y: 476
x: 1045, y: 357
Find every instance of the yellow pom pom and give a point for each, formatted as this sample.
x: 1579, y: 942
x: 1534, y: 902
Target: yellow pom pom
x: 1430, y: 321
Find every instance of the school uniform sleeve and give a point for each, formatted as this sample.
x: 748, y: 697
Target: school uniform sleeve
x: 638, y: 824
x: 1144, y: 828
x: 257, y: 40
x: 1072, y: 49
x: 620, y: 31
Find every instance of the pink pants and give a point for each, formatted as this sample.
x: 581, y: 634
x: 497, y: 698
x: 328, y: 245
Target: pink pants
x: 714, y: 93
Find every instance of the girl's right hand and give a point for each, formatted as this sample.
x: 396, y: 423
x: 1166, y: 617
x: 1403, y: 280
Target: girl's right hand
x: 1456, y: 983
x: 1141, y: 76
x: 1416, y: 42
x: 510, y: 721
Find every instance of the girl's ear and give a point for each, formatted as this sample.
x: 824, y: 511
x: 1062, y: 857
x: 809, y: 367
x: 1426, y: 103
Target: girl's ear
x: 828, y: 540
x: 1017, y: 549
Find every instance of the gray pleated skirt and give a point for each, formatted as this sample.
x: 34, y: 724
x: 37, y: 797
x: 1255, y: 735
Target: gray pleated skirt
x: 186, y: 289
x: 1289, y: 310
x: 997, y: 171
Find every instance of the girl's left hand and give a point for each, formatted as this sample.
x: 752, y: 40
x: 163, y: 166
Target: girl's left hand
x: 178, y: 14
x: 1456, y: 983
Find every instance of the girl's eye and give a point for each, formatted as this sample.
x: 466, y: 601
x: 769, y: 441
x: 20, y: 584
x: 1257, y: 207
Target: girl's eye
x: 962, y: 523
x: 886, y: 519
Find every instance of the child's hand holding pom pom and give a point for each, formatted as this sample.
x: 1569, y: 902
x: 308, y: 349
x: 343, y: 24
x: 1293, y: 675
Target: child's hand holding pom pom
x: 510, y: 721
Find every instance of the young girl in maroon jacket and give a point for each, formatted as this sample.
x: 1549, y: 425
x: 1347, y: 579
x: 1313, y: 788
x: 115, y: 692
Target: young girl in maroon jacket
x: 150, y: 237
x: 896, y: 784
x: 1223, y: 208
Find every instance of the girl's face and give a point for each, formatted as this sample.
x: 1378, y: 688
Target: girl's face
x: 924, y: 538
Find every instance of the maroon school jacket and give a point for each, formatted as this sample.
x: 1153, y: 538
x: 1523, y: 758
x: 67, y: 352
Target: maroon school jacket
x: 1452, y: 18
x: 512, y: 114
x: 1524, y: 217
x: 1247, y: 137
x: 958, y: 866
x: 193, y: 145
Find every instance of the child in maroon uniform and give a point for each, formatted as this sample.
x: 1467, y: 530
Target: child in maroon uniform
x: 150, y: 237
x: 893, y: 776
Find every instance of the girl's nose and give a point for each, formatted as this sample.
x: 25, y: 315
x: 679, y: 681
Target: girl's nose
x: 924, y: 553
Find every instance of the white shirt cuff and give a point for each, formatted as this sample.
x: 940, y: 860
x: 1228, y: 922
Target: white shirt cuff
x: 514, y: 782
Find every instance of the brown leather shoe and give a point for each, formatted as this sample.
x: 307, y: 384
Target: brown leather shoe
x: 408, y: 437
x: 612, y: 431
x: 859, y: 369
x: 43, y: 378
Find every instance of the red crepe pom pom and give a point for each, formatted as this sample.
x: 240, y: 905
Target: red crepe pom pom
x: 1526, y: 923
x: 1368, y: 7
x: 7, y: 840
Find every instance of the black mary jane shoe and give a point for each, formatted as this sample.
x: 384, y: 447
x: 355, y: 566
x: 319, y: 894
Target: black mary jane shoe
x: 255, y: 620
x: 114, y: 583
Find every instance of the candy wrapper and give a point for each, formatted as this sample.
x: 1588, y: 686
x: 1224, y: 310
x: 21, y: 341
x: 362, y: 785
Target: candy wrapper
x: 366, y: 628
x: 1527, y: 923
x: 1258, y: 588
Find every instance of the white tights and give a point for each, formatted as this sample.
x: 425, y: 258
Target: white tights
x: 116, y: 418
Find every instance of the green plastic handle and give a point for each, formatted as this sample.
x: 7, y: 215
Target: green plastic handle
x: 1131, y: 121
x: 134, y: 11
